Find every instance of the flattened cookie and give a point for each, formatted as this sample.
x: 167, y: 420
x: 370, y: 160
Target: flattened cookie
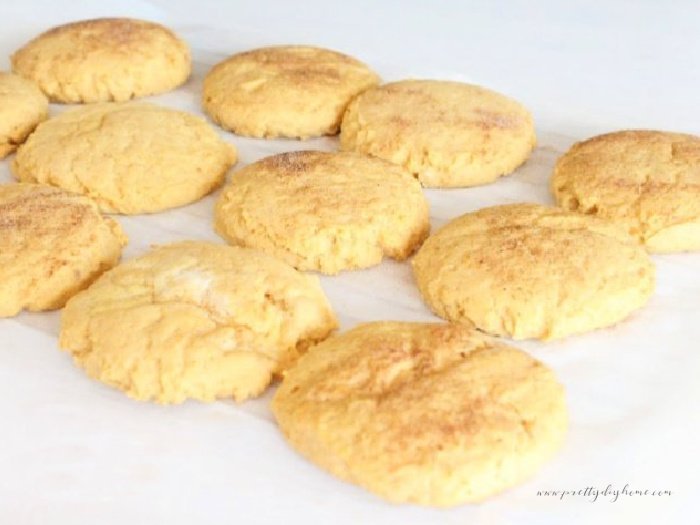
x: 434, y: 414
x: 646, y: 181
x: 22, y: 107
x: 195, y: 320
x: 52, y: 244
x: 130, y: 157
x: 448, y: 134
x: 286, y: 91
x: 107, y: 59
x: 530, y: 271
x: 324, y: 211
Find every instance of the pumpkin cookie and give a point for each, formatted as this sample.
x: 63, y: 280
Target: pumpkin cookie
x: 434, y: 414
x: 195, y: 320
x: 324, y: 211
x: 531, y: 271
x: 646, y: 181
x: 106, y: 59
x: 285, y: 91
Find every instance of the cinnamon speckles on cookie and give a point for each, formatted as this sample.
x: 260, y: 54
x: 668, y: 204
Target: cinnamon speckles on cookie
x: 105, y: 59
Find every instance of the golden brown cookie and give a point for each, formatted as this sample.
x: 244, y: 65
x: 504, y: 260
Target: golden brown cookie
x: 531, y: 271
x: 106, y: 59
x: 22, y: 107
x: 434, y: 414
x: 324, y: 211
x: 195, y: 320
x: 285, y: 91
x: 447, y: 134
x: 648, y: 182
x: 52, y: 245
x: 129, y: 157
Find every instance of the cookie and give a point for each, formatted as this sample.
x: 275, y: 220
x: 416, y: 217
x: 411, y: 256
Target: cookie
x: 324, y: 211
x: 285, y: 91
x: 448, y: 134
x: 106, y: 59
x: 195, y: 320
x: 129, y: 157
x: 22, y: 107
x: 434, y: 414
x: 52, y: 245
x: 531, y: 271
x: 648, y: 182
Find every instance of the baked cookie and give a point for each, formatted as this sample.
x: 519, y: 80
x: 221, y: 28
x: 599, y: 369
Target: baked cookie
x: 434, y: 414
x: 130, y: 157
x: 324, y: 211
x: 646, y: 181
x: 195, y: 320
x: 52, y: 244
x: 530, y: 271
x: 286, y: 91
x: 448, y: 134
x: 103, y: 60
x: 22, y: 107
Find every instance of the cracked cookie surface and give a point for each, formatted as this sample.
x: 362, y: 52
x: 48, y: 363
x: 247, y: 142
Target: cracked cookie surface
x: 531, y: 271
x: 195, y: 320
x: 52, y: 245
x: 22, y: 107
x: 646, y: 181
x: 105, y: 59
x: 324, y: 211
x: 284, y: 91
x: 129, y: 157
x: 434, y: 414
x: 448, y: 134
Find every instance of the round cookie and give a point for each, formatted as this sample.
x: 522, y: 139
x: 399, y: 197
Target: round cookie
x: 531, y: 271
x: 22, y: 107
x: 434, y: 414
x: 324, y: 211
x: 106, y: 59
x: 646, y: 181
x: 129, y: 157
x: 448, y: 134
x: 195, y: 320
x: 285, y: 91
x: 52, y: 244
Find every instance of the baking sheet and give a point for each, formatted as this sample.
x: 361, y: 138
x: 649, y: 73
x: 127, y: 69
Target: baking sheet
x: 75, y: 451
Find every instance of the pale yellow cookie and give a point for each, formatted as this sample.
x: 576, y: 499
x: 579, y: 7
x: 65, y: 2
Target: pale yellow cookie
x: 531, y: 271
x: 434, y: 414
x: 195, y: 320
x: 324, y: 211
x: 22, y: 107
x: 52, y: 245
x: 285, y: 91
x: 104, y: 60
x: 448, y: 134
x: 129, y: 157
x: 648, y: 182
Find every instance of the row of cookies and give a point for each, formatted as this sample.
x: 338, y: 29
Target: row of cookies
x: 501, y: 251
x: 291, y: 91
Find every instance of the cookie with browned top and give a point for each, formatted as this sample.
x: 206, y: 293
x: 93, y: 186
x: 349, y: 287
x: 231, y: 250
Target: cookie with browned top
x: 284, y: 91
x: 434, y: 414
x: 22, y: 107
x: 324, y: 211
x: 447, y: 134
x: 531, y: 271
x: 52, y: 245
x: 106, y: 59
x: 129, y: 157
x: 646, y: 181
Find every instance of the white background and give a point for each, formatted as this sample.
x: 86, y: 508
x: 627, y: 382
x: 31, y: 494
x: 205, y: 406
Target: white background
x: 74, y: 451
